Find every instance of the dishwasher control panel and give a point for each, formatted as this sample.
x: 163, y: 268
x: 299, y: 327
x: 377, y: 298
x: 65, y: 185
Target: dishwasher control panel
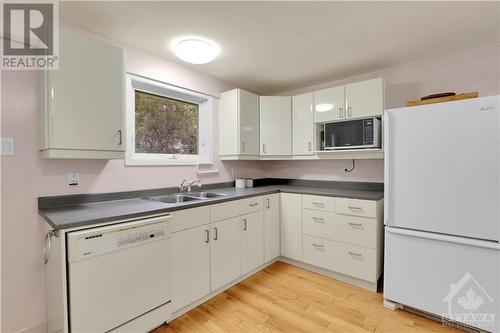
x: 101, y: 241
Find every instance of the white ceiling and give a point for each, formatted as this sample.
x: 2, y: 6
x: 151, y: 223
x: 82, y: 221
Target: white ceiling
x: 271, y: 47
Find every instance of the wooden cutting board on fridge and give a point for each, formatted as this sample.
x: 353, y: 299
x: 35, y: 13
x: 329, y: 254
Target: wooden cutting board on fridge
x: 443, y: 99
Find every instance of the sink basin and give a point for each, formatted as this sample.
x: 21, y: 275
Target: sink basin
x: 205, y: 195
x: 174, y: 198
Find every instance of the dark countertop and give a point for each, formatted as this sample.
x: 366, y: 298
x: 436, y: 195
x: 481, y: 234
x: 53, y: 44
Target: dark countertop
x: 83, y: 214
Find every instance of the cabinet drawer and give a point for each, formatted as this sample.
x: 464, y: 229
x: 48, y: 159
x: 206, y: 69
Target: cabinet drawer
x: 357, y: 207
x: 319, y: 202
x: 349, y: 229
x: 230, y: 209
x: 351, y: 260
x: 189, y: 218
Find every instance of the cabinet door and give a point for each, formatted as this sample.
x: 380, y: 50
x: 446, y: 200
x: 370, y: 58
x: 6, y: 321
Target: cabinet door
x: 329, y: 104
x: 291, y: 225
x: 252, y: 241
x: 228, y: 123
x: 224, y: 252
x: 365, y: 98
x: 87, y: 93
x: 271, y: 227
x: 190, y: 262
x: 303, y: 124
x: 249, y: 123
x: 275, y: 125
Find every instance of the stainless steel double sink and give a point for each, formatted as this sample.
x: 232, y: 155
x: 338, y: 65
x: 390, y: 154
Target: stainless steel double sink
x: 178, y: 198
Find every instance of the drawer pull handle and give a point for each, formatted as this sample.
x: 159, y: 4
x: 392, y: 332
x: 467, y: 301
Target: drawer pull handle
x: 253, y: 204
x: 354, y: 254
x: 356, y: 225
x: 319, y: 219
x: 355, y: 208
x: 318, y: 245
x: 318, y: 204
x: 208, y: 236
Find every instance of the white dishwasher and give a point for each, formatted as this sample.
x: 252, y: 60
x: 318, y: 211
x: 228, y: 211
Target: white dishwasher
x: 117, y: 273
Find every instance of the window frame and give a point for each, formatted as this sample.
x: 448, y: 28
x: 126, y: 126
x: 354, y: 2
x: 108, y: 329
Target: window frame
x: 205, y: 123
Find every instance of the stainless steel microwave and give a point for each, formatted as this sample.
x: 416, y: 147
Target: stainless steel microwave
x: 352, y: 134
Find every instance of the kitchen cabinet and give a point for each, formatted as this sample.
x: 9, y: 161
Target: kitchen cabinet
x: 302, y: 124
x: 225, y: 257
x: 344, y: 236
x: 365, y: 99
x: 238, y: 123
x: 329, y: 104
x: 271, y: 227
x: 275, y: 125
x: 291, y: 225
x: 252, y: 241
x: 190, y: 262
x: 355, y: 100
x: 83, y: 102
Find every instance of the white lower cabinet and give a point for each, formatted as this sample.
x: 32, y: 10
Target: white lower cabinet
x: 190, y: 265
x: 252, y: 241
x: 291, y: 225
x: 271, y: 227
x: 225, y: 258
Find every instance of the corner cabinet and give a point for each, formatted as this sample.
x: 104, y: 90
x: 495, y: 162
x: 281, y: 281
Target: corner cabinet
x: 238, y: 124
x: 303, y: 124
x: 275, y: 125
x: 83, y: 113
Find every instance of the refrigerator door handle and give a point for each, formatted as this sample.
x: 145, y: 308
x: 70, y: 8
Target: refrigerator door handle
x: 492, y: 245
x: 387, y: 124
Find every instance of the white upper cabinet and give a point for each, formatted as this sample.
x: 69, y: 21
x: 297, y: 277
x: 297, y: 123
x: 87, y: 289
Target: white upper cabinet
x: 329, y: 104
x: 238, y: 123
x: 84, y: 101
x: 365, y: 98
x: 303, y: 124
x: 275, y: 125
x: 355, y: 100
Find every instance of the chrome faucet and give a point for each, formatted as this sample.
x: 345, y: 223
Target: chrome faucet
x: 183, y: 186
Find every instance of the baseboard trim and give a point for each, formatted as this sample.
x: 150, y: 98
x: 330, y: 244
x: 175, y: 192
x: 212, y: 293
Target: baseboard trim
x: 40, y: 328
x: 372, y: 286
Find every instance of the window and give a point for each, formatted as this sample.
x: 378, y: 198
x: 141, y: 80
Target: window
x: 167, y: 125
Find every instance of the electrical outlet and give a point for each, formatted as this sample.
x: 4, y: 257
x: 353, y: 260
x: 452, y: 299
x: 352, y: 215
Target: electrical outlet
x: 74, y: 178
x: 7, y: 146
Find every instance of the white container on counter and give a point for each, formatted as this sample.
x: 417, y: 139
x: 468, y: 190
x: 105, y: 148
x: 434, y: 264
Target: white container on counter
x: 249, y: 182
x: 240, y: 183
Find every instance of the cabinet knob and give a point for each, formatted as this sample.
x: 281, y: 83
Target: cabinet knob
x: 120, y: 139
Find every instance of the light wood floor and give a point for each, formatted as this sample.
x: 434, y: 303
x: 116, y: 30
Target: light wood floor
x: 284, y: 298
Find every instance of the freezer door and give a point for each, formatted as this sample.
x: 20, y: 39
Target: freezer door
x: 442, y: 168
x: 448, y: 276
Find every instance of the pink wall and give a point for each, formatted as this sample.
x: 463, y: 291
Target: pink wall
x: 25, y: 176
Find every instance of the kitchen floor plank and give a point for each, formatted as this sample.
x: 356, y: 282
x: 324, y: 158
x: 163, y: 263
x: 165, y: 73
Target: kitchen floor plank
x: 285, y: 298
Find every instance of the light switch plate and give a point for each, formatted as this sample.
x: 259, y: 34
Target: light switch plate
x: 7, y: 146
x: 74, y: 178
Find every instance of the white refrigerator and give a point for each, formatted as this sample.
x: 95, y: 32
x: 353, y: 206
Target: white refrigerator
x: 442, y: 210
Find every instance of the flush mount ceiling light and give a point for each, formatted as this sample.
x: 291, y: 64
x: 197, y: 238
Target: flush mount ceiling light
x: 195, y: 49
x: 324, y: 107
